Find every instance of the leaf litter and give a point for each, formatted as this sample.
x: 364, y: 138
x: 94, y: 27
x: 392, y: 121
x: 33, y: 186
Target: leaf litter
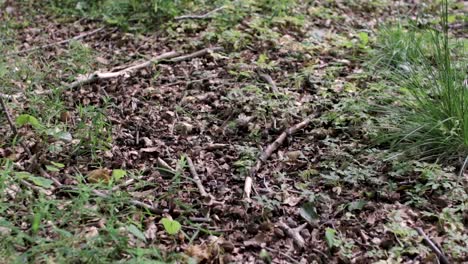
x: 181, y: 132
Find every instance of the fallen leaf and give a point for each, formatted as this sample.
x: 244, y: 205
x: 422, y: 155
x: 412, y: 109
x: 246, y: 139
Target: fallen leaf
x: 99, y: 175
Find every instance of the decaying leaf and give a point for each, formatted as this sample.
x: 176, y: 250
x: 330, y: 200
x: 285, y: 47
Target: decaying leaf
x: 99, y: 175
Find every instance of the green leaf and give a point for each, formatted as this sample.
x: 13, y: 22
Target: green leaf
x: 330, y: 237
x: 118, y: 174
x: 136, y: 232
x: 26, y: 119
x: 42, y: 182
x: 36, y: 222
x: 172, y: 227
x: 52, y: 168
x: 356, y: 205
x: 58, y: 165
x: 451, y: 19
x: 39, y: 181
x: 364, y: 37
x: 308, y: 212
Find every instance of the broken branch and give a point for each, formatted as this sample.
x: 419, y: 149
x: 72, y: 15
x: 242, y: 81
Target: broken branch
x: 58, y: 42
x: 270, y: 149
x: 173, y: 56
x: 294, y: 233
x: 90, y: 78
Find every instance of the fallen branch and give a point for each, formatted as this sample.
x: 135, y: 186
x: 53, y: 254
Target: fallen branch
x: 90, y: 78
x: 83, y: 35
x: 205, y: 16
x: 294, y: 233
x: 171, y: 56
x: 270, y: 149
x: 442, y: 258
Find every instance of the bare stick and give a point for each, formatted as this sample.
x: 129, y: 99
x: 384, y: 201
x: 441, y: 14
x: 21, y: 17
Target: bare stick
x: 8, y: 117
x: 443, y: 259
x: 195, y: 54
x: 294, y: 233
x: 89, y: 78
x: 205, y: 16
x: 173, y: 56
x: 270, y: 149
x: 267, y: 78
x: 12, y: 124
x: 463, y: 168
x: 196, y: 179
x: 83, y: 35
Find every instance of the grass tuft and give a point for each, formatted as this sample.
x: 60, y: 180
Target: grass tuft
x: 429, y: 116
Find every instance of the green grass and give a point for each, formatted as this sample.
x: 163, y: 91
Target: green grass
x: 429, y: 114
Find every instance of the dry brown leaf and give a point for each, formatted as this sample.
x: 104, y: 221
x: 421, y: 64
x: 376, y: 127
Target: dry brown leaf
x: 99, y: 175
x: 199, y: 252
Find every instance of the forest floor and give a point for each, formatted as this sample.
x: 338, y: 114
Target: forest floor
x: 94, y: 168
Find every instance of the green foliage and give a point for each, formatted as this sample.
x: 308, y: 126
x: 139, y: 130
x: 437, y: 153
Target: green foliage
x: 429, y: 117
x: 125, y: 13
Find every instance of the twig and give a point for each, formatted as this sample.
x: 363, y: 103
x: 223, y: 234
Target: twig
x: 294, y: 233
x: 443, y: 259
x: 196, y: 178
x: 463, y: 168
x: 270, y: 149
x: 205, y: 16
x: 267, y: 78
x: 208, y: 198
x: 195, y: 54
x: 89, y: 78
x: 173, y: 56
x: 83, y: 35
x: 12, y: 125
x: 8, y: 117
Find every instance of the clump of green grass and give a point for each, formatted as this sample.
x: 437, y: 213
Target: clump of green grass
x: 429, y: 116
